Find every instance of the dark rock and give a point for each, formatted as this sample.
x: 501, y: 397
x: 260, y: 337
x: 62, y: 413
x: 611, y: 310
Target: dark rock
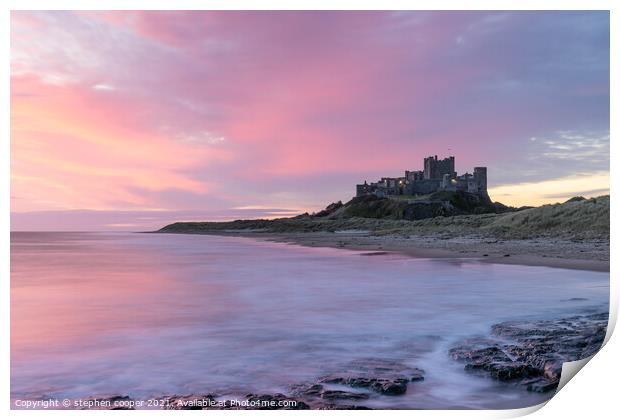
x: 426, y: 210
x: 319, y: 391
x: 394, y: 386
x: 416, y: 375
x: 383, y: 376
x: 503, y: 370
x: 533, y: 352
x: 539, y: 384
x: 440, y: 203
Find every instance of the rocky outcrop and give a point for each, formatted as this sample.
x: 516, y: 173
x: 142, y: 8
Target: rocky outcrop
x: 531, y: 354
x: 443, y: 203
x: 379, y: 376
x: 528, y: 354
x: 362, y: 379
x: 427, y: 210
x: 347, y: 389
x: 383, y: 376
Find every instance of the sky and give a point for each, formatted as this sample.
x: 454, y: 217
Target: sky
x: 131, y: 120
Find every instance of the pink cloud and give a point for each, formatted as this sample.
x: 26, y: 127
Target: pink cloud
x: 197, y: 109
x: 91, y: 147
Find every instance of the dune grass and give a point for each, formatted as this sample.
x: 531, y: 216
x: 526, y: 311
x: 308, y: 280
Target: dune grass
x: 575, y: 219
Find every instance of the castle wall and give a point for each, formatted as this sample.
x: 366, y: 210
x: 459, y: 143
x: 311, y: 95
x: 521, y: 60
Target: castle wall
x: 472, y: 187
x: 462, y: 182
x: 414, y: 175
x: 423, y: 186
x: 437, y: 175
x: 362, y: 189
x: 448, y: 183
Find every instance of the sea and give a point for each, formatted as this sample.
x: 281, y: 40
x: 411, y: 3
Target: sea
x: 147, y: 315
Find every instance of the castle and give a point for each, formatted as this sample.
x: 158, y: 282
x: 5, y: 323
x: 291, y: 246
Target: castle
x: 438, y: 175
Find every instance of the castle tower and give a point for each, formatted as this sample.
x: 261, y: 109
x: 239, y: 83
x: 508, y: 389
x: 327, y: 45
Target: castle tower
x: 430, y: 164
x: 480, y: 177
x: 436, y: 169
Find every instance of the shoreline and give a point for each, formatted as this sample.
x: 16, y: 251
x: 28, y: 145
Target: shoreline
x: 590, y: 255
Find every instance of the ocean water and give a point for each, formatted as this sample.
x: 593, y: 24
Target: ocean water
x: 145, y: 315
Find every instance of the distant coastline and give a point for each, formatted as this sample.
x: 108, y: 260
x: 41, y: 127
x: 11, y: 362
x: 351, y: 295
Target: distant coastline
x: 572, y: 235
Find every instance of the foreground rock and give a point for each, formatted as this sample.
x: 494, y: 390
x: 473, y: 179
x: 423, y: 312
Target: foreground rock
x: 378, y: 375
x: 527, y: 354
x: 531, y: 354
x: 347, y: 389
x: 358, y: 381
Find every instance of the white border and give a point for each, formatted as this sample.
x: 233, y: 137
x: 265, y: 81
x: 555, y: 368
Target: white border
x: 311, y: 5
x: 594, y: 394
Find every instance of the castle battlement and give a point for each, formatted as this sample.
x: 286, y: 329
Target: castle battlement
x: 437, y: 175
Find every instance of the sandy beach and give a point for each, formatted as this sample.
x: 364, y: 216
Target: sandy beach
x: 559, y: 253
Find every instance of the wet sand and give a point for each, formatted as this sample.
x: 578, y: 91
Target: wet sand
x: 590, y: 255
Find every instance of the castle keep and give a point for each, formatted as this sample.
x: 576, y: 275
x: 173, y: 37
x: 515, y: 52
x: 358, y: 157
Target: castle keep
x: 438, y: 175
